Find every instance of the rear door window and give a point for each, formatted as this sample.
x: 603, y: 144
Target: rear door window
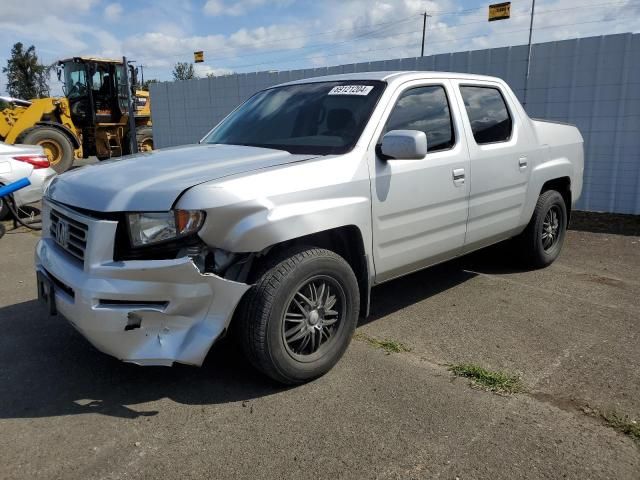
x: 488, y: 114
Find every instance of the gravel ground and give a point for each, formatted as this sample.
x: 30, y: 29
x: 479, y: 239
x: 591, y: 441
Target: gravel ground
x: 571, y: 331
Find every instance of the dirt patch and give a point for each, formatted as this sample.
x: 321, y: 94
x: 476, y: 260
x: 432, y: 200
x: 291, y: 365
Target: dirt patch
x: 621, y: 423
x: 611, y: 282
x: 566, y: 404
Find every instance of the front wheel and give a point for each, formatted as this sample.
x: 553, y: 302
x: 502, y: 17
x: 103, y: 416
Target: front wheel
x: 298, y: 318
x: 56, y: 145
x: 542, y: 240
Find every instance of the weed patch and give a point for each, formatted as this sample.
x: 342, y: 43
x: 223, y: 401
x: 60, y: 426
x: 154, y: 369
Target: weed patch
x: 389, y: 346
x: 498, y: 382
x: 623, y: 424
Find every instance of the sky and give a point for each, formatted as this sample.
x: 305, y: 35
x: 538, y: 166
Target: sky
x: 257, y: 35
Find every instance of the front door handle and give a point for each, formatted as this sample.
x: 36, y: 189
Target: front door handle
x: 458, y: 176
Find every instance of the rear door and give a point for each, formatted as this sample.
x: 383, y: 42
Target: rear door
x: 419, y: 207
x: 500, y: 161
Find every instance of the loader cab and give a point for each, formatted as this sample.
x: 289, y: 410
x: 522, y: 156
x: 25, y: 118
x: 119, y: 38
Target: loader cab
x: 98, y: 104
x: 96, y: 91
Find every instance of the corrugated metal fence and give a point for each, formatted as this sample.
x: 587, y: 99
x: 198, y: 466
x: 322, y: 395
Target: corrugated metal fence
x: 593, y: 83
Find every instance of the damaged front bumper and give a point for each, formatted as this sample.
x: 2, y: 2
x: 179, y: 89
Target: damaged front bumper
x: 148, y: 312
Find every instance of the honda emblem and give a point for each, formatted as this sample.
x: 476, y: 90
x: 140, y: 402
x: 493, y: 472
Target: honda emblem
x: 62, y: 233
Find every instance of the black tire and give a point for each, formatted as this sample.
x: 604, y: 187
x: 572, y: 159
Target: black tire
x: 262, y: 325
x: 530, y: 243
x: 144, y: 137
x: 55, y: 139
x: 4, y: 207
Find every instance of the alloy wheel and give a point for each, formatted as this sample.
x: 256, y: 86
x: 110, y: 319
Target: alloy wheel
x: 313, y: 316
x: 551, y: 228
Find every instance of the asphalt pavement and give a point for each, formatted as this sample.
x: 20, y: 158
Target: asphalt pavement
x: 570, y: 331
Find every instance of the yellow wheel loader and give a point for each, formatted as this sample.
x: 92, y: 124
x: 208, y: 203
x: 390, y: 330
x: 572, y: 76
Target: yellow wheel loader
x: 92, y: 119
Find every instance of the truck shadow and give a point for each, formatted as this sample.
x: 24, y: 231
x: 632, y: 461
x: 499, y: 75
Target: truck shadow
x: 48, y: 369
x: 421, y: 285
x: 612, y: 223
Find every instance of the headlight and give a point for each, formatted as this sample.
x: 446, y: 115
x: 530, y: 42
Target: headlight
x: 149, y: 228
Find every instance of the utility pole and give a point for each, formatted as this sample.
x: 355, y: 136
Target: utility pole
x: 526, y: 78
x: 424, y: 31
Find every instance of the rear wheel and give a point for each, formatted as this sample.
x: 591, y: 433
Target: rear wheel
x: 144, y: 137
x: 298, y: 318
x: 56, y: 145
x: 541, y: 242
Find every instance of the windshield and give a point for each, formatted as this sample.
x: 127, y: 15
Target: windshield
x: 312, y: 118
x: 75, y: 80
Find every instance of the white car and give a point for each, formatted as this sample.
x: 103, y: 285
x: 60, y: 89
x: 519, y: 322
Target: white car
x: 20, y: 161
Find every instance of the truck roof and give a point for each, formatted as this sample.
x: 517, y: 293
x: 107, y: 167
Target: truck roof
x: 388, y: 76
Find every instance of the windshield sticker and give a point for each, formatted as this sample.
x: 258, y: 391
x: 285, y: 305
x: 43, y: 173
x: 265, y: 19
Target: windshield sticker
x: 351, y: 90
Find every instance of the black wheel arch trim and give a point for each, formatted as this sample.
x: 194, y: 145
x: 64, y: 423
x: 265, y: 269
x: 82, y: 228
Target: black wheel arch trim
x: 562, y: 185
x: 346, y: 241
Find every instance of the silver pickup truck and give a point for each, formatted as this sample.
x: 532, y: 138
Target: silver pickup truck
x: 281, y: 220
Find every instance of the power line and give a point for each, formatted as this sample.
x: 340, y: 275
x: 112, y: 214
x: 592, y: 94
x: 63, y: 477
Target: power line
x: 464, y: 12
x: 593, y: 5
x: 329, y: 44
x: 436, y: 28
x: 358, y: 37
x: 332, y: 45
x: 436, y: 42
x: 280, y: 40
x: 415, y: 32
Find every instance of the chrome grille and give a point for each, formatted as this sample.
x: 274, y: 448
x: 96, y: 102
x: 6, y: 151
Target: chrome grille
x: 70, y: 234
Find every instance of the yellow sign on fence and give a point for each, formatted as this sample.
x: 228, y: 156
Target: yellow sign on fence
x: 499, y: 11
x: 198, y: 57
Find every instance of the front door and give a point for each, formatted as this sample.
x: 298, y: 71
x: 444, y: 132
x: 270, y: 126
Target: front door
x: 420, y: 206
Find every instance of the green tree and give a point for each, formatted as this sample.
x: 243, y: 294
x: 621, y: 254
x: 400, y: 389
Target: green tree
x: 26, y: 77
x: 145, y: 85
x: 183, y: 71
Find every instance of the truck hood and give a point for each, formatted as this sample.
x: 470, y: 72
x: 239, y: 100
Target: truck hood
x: 153, y: 181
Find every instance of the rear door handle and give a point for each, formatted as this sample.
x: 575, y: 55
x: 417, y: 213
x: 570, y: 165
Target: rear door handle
x: 458, y: 176
x: 522, y: 163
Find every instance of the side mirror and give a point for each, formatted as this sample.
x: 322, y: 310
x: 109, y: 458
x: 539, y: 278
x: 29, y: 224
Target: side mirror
x: 404, y: 144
